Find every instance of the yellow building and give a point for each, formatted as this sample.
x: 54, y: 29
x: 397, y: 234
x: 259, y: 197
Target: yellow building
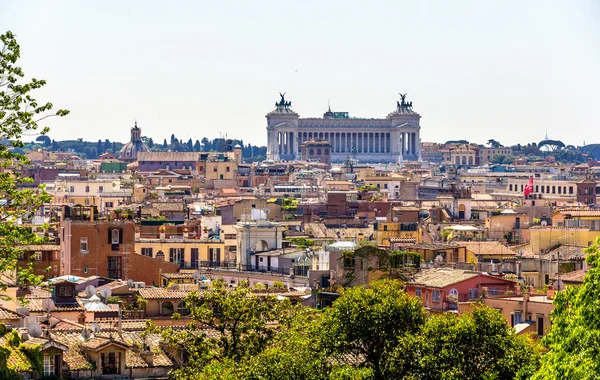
x: 221, y: 168
x: 384, y: 231
x: 188, y: 253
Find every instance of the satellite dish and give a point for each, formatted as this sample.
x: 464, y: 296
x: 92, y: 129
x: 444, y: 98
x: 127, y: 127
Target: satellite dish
x: 86, y: 334
x: 196, y: 276
x: 130, y: 283
x: 95, y: 327
x: 544, y: 223
x: 439, y: 259
x: 395, y: 219
x: 48, y: 304
x: 266, y: 211
x: 105, y: 292
x: 90, y: 290
x: 34, y: 329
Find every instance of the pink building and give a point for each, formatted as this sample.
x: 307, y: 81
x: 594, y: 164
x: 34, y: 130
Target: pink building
x: 443, y: 288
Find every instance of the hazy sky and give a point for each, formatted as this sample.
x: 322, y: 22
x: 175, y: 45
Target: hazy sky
x: 473, y: 69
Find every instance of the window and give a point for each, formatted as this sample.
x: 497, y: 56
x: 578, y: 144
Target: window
x: 215, y: 169
x: 87, y: 189
x: 227, y: 169
x: 453, y: 294
x: 166, y: 308
x: 72, y: 189
x: 111, y: 363
x: 176, y: 255
x: 51, y: 364
x: 85, y: 269
x: 87, y: 202
x: 418, y: 292
x: 182, y: 309
x: 194, y: 258
x: 570, y: 189
x: 113, y: 267
x: 435, y: 295
x: 114, y: 236
x: 83, y: 244
x: 214, y: 256
x: 540, y: 325
x: 147, y: 252
x: 385, y: 186
x: 100, y: 189
x: 385, y: 227
x: 516, y: 318
x: 108, y: 204
x: 37, y: 256
x: 473, y: 293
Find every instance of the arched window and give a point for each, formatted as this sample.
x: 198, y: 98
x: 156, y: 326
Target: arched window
x: 319, y: 152
x: 470, y: 160
x: 453, y: 292
x: 182, y: 309
x: 311, y: 152
x: 464, y: 160
x: 166, y: 308
x: 114, y: 236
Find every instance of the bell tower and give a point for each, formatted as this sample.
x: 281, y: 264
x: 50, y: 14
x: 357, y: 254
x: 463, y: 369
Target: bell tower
x: 136, y: 133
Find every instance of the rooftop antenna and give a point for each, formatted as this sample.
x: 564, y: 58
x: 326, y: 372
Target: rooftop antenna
x: 90, y: 290
x: 95, y: 327
x: 105, y: 292
x: 85, y: 334
x: 34, y: 329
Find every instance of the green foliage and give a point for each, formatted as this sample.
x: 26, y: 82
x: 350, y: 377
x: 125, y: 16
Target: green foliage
x: 573, y: 340
x: 112, y: 300
x: 302, y: 242
x: 289, y: 204
x: 372, y: 321
x: 20, y: 114
x: 240, y: 318
x: 368, y: 333
x: 502, y: 159
x: 278, y: 285
x: 400, y: 258
x: 367, y: 188
x: 493, y: 143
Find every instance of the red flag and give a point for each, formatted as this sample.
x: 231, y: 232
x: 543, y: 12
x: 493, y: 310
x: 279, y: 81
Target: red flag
x: 529, y: 188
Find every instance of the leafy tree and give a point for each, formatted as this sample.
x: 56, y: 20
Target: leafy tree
x: 20, y: 114
x: 150, y: 143
x: 205, y: 144
x: 173, y: 139
x: 165, y: 145
x: 302, y: 242
x: 45, y: 140
x: 553, y: 145
x: 197, y: 146
x: 493, y: 143
x: 190, y: 145
x: 372, y: 321
x: 478, y: 345
x: 573, y: 340
x: 240, y: 318
x: 100, y: 147
x: 458, y: 142
x: 114, y: 147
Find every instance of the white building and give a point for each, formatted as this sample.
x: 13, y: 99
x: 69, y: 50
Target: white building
x: 256, y: 236
x: 392, y: 139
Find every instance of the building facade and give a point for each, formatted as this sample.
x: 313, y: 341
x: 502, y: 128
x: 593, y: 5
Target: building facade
x: 392, y: 139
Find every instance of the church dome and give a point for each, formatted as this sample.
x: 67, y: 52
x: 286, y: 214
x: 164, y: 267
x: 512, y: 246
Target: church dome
x: 130, y: 150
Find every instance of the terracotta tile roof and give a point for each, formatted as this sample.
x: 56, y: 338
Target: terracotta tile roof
x: 575, y: 276
x: 441, y: 277
x: 168, y: 156
x: 6, y: 314
x: 35, y: 305
x: 488, y: 248
x: 40, y: 247
x: 178, y: 276
x: 162, y: 293
x: 580, y: 213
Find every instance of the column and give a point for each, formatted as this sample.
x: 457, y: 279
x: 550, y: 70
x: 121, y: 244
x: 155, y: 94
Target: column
x: 291, y: 143
x: 359, y: 144
x: 403, y: 143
